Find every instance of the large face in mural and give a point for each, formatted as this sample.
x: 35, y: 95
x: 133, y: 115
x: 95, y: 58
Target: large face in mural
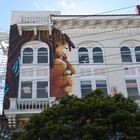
x: 60, y: 69
x: 61, y: 83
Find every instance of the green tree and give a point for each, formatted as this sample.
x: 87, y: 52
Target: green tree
x: 94, y: 117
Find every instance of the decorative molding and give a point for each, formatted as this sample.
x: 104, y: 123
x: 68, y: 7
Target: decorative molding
x: 78, y: 32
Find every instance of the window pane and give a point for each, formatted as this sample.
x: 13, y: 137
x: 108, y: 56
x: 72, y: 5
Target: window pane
x: 126, y: 54
x: 85, y: 87
x: 43, y: 55
x: 83, y: 55
x: 137, y: 53
x: 42, y: 89
x: 26, y: 89
x: 101, y: 84
x: 132, y: 88
x: 27, y: 55
x: 97, y: 55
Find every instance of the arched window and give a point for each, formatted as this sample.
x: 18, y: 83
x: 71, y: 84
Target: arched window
x: 137, y: 53
x: 83, y: 55
x: 126, y: 54
x: 27, y: 55
x: 97, y: 55
x: 42, y: 55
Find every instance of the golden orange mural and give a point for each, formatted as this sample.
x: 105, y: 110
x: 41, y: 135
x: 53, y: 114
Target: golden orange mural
x: 61, y: 82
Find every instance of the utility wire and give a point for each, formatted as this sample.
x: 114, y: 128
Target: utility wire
x: 105, y: 12
x: 111, y: 38
x: 107, y: 39
x: 88, y: 64
x: 115, y: 70
x: 104, y: 56
x: 115, y: 56
x: 82, y: 75
x: 83, y: 16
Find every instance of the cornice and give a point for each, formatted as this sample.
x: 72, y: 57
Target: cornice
x: 102, y: 31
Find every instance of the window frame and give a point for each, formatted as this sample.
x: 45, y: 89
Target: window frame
x: 27, y: 54
x: 42, y: 88
x: 132, y: 86
x: 125, y: 54
x: 102, y: 88
x: 137, y: 54
x: 84, y: 88
x: 24, y: 95
x: 84, y: 54
x: 97, y: 54
x: 42, y: 55
x: 93, y: 84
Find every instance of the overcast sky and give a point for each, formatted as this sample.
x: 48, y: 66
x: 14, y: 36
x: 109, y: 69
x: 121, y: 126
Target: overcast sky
x: 65, y: 6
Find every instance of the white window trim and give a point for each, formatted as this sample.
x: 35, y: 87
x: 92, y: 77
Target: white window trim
x: 137, y: 82
x: 90, y: 55
x: 93, y: 83
x: 102, y: 55
x: 34, y: 66
x: 36, y: 60
x: 34, y: 88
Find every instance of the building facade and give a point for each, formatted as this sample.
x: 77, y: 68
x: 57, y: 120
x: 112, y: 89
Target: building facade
x: 52, y: 55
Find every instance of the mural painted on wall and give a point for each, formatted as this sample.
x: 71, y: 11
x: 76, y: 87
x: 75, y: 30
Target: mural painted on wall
x: 61, y: 83
x: 60, y: 69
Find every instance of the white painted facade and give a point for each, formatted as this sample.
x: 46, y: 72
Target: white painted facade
x: 110, y: 33
x: 105, y: 35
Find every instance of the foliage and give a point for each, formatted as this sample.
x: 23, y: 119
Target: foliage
x: 94, y: 117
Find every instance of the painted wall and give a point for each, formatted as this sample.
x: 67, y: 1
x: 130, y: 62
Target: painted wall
x: 55, y: 43
x: 107, y: 32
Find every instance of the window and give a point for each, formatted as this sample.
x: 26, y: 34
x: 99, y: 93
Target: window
x: 101, y: 84
x: 42, y: 89
x: 137, y: 53
x: 97, y: 55
x: 132, y: 89
x: 27, y: 55
x: 126, y: 54
x: 42, y: 55
x: 85, y: 88
x: 26, y: 89
x: 83, y: 55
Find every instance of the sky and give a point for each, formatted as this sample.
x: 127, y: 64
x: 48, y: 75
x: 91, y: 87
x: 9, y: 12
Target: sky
x: 64, y: 6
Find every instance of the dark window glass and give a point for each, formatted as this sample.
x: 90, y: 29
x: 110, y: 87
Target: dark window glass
x: 42, y: 55
x: 97, y: 55
x: 132, y: 88
x: 126, y: 54
x: 27, y: 55
x: 137, y: 53
x: 83, y: 55
x: 101, y: 84
x: 85, y: 88
x: 42, y: 89
x: 26, y: 89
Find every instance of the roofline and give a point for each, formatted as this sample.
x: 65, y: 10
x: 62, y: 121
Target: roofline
x: 96, y: 15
